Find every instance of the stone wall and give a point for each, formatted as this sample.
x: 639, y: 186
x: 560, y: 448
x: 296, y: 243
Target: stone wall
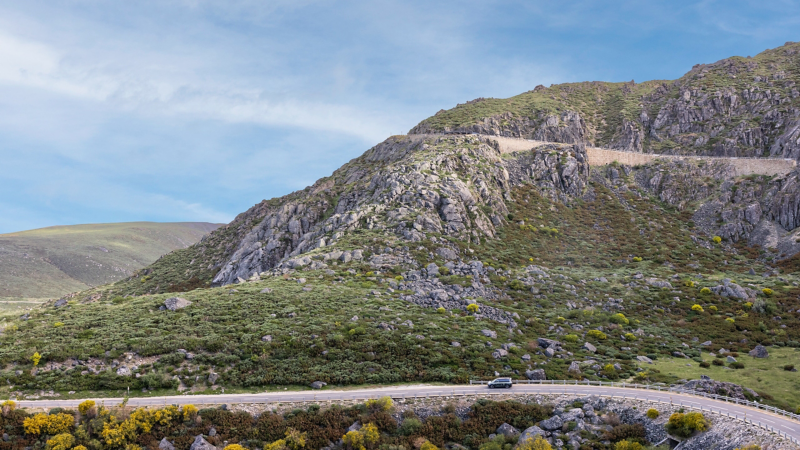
x: 602, y: 156
x: 741, y: 166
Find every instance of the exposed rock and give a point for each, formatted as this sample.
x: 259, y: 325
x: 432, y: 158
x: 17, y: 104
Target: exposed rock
x: 721, y: 388
x: 267, y: 338
x: 536, y: 374
x: 551, y: 424
x: 530, y: 434
x: 318, y: 384
x: 644, y: 359
x: 759, y: 352
x: 507, y: 430
x: 165, y: 445
x: 176, y: 303
x: 574, y: 368
x: 589, y: 347
x: 201, y: 444
x: 489, y: 334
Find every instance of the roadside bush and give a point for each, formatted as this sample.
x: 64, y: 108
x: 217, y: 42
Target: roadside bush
x: 410, y: 426
x: 653, y: 413
x: 684, y: 425
x: 626, y: 431
x: 628, y: 445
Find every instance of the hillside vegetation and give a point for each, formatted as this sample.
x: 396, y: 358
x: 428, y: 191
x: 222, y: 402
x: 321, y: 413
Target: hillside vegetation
x: 54, y: 261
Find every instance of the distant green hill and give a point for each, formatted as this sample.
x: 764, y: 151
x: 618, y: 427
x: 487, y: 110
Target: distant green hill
x: 54, y: 261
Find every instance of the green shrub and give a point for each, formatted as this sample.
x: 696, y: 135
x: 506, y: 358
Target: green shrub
x: 705, y: 291
x: 597, y: 334
x: 620, y: 319
x: 653, y: 413
x: 705, y: 364
x: 737, y: 365
x: 717, y: 362
x: 685, y: 425
x: 441, y: 310
x: 571, y: 338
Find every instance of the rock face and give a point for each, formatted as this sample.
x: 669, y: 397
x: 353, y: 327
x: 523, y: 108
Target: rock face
x: 759, y: 352
x: 176, y: 303
x: 553, y: 423
x: 318, y: 384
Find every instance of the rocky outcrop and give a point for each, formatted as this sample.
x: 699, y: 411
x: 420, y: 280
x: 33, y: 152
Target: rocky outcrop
x: 710, y: 386
x: 453, y: 185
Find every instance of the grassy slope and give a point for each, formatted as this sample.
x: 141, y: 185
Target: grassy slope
x: 53, y: 261
x: 605, y: 105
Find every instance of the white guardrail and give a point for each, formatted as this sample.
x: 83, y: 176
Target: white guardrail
x: 666, y: 389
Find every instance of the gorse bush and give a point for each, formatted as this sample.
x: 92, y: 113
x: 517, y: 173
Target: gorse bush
x: 472, y: 308
x: 597, y: 334
x: 705, y: 291
x: 697, y: 308
x: 620, y: 319
x: 653, y: 413
x: 716, y: 239
x: 685, y: 425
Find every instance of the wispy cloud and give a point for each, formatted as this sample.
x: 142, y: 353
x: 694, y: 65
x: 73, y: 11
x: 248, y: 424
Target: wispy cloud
x: 197, y: 109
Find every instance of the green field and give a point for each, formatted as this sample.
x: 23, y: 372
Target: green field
x: 765, y: 376
x: 54, y: 261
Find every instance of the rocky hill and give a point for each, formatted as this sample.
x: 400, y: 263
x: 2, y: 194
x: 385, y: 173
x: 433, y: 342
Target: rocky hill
x: 436, y: 256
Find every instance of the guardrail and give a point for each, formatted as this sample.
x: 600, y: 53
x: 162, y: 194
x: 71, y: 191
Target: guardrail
x: 664, y: 388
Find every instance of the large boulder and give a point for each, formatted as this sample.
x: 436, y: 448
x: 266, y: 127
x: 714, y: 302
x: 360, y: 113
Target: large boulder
x: 537, y: 374
x: 732, y: 290
x: 548, y: 343
x: 446, y: 253
x: 574, y: 368
x: 644, y: 359
x: 318, y: 384
x: 507, y: 430
x: 530, y: 434
x: 551, y: 424
x: 201, y: 444
x: 589, y: 347
x: 176, y: 303
x: 489, y: 334
x: 759, y: 352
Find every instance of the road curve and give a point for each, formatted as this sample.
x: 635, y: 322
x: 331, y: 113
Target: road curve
x: 765, y: 419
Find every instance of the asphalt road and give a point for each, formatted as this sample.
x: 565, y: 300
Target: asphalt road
x: 756, y: 416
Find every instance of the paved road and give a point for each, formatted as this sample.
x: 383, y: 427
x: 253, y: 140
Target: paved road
x: 764, y: 418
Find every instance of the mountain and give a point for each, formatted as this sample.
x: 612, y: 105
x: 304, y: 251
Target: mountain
x: 735, y: 107
x: 444, y: 255
x: 54, y: 261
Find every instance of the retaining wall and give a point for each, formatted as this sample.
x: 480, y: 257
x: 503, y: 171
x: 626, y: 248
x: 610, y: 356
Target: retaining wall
x: 741, y: 166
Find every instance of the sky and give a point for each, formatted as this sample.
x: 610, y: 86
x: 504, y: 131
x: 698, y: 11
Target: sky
x: 193, y: 110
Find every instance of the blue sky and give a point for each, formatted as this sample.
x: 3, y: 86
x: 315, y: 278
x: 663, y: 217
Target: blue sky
x: 195, y: 110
